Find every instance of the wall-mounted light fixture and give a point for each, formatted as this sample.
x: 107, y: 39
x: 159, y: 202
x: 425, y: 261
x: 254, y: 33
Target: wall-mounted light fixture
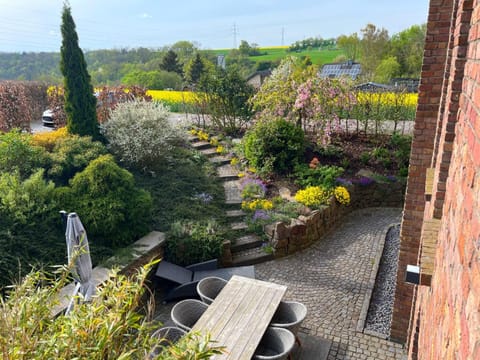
x: 413, y: 274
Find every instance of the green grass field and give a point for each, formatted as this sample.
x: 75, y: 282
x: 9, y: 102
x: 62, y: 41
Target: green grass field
x: 318, y: 57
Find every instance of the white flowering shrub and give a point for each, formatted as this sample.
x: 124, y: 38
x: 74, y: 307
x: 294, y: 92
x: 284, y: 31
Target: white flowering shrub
x: 139, y: 133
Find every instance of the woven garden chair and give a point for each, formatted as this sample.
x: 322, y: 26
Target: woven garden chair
x: 209, y: 288
x: 276, y: 344
x: 187, y: 312
x: 166, y: 336
x: 290, y: 315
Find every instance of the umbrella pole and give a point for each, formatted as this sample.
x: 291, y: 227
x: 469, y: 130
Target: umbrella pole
x: 63, y: 214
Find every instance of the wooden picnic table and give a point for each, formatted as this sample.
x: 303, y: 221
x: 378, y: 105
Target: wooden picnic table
x: 239, y: 316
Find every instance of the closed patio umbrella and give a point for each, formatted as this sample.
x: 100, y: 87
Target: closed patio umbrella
x: 79, y: 259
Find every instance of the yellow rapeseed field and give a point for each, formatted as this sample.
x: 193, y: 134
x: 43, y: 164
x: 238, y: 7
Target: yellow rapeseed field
x: 172, y: 96
x: 388, y: 98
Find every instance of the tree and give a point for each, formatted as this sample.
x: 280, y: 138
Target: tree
x: 194, y: 69
x: 350, y: 45
x: 244, y: 48
x: 373, y: 46
x: 80, y: 102
x: 387, y: 69
x: 226, y: 93
x: 170, y: 63
x: 407, y: 46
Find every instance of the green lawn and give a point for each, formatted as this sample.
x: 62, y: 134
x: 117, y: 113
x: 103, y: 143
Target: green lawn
x: 318, y: 57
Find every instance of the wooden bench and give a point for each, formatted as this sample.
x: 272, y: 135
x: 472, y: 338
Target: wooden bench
x: 239, y: 316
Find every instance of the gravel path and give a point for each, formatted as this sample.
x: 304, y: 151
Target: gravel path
x: 381, y: 304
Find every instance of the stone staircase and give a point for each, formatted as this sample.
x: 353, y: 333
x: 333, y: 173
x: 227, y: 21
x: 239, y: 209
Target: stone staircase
x: 246, y: 249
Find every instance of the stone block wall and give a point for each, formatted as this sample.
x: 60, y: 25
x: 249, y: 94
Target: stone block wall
x: 305, y: 230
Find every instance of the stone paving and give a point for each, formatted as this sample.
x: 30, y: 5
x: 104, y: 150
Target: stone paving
x: 332, y: 279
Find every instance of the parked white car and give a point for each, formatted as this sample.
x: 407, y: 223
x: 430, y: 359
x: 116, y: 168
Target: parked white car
x: 47, y: 118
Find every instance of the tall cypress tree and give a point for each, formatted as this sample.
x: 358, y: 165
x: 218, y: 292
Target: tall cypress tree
x: 80, y: 102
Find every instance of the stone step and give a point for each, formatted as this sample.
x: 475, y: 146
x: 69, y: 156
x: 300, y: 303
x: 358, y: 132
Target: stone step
x: 220, y: 160
x: 192, y: 138
x: 227, y: 172
x: 209, y: 152
x: 246, y: 242
x: 199, y: 145
x: 232, y: 192
x: 251, y: 257
x: 238, y: 226
x: 232, y: 214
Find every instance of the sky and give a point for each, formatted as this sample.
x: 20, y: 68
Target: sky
x: 34, y: 25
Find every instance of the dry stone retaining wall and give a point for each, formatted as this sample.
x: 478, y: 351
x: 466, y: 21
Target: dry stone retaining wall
x: 305, y: 230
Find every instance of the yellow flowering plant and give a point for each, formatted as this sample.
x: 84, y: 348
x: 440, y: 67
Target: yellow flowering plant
x: 234, y: 161
x: 48, y: 139
x: 257, y: 204
x: 342, y: 195
x: 313, y: 196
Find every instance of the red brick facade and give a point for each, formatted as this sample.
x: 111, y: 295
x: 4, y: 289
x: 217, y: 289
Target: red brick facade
x: 442, y: 321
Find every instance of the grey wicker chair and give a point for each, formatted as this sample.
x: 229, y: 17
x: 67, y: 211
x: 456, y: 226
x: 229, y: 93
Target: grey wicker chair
x: 209, y: 288
x: 290, y: 315
x: 276, y: 344
x: 185, y: 313
x: 166, y: 336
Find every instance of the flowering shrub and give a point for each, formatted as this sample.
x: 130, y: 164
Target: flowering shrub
x: 139, y: 133
x: 364, y: 181
x: 220, y: 149
x: 48, y: 139
x: 342, y: 195
x: 313, y: 196
x: 257, y: 204
x: 252, y: 188
x: 234, y: 161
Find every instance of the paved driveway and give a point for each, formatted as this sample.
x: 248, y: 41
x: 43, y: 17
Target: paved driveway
x: 332, y: 278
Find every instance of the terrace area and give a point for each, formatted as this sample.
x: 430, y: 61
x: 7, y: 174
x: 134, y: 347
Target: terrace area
x: 334, y: 278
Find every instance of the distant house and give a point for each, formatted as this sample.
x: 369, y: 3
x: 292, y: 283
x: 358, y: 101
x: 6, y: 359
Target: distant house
x: 335, y: 70
x: 373, y: 87
x: 408, y: 84
x: 258, y: 77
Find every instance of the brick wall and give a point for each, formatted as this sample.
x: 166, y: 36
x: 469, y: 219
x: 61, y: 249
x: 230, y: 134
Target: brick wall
x: 445, y: 323
x: 426, y: 124
x: 449, y: 310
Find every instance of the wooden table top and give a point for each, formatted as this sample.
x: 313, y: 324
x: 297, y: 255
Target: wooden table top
x: 239, y: 316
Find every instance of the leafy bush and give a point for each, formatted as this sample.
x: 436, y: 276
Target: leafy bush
x: 72, y: 154
x: 318, y: 175
x: 277, y: 140
x: 17, y: 153
x: 402, y: 148
x: 189, y: 242
x: 114, y: 211
x: 30, y: 227
x: 140, y: 135
x: 112, y: 326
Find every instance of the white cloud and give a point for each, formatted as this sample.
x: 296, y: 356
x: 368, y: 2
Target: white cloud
x: 145, y: 16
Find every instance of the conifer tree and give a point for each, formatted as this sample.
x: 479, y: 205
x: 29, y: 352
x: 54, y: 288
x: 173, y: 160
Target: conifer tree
x: 80, y: 102
x: 195, y: 69
x: 170, y: 62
